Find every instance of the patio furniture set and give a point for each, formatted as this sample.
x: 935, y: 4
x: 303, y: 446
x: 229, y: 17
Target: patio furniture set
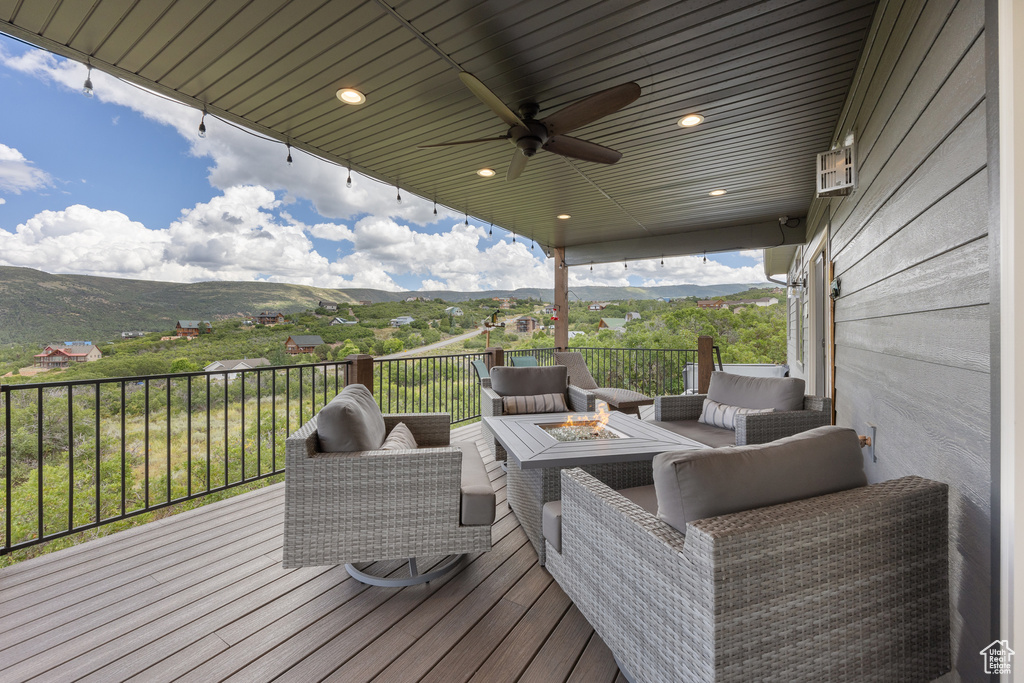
x: 734, y: 537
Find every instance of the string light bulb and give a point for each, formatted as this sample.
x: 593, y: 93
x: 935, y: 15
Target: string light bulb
x: 87, y: 86
x: 591, y: 265
x: 533, y: 245
x: 624, y: 264
x: 202, y: 124
x: 467, y: 219
x: 435, y: 207
x: 705, y: 257
x: 398, y: 198
x: 289, y: 159
x: 663, y: 261
x: 348, y: 180
x: 513, y: 238
x: 490, y: 230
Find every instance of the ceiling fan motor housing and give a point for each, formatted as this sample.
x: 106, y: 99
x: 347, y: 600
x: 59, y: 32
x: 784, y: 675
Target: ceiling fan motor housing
x: 529, y: 138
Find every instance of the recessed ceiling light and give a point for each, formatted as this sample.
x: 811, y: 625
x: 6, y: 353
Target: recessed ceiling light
x: 350, y: 96
x: 485, y: 172
x: 564, y: 216
x: 716, y: 193
x: 690, y: 120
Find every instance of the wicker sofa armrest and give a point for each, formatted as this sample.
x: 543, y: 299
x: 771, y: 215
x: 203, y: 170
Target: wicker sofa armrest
x: 581, y: 400
x: 754, y: 428
x: 429, y: 429
x: 685, y: 407
x: 822, y: 404
x: 485, y: 382
x: 490, y: 403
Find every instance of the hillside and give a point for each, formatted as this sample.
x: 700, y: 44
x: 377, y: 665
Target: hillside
x: 37, y: 307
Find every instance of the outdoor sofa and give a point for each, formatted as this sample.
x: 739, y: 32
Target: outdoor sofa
x: 740, y: 410
x: 514, y: 389
x: 359, y: 490
x: 773, y: 562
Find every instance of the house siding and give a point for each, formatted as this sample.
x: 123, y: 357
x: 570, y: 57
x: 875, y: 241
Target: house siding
x: 910, y: 247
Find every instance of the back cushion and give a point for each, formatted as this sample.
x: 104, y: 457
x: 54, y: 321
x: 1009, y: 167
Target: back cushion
x: 351, y: 422
x: 698, y: 484
x: 506, y: 381
x: 778, y: 393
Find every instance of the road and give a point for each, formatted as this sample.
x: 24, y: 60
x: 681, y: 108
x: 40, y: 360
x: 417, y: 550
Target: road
x: 420, y: 350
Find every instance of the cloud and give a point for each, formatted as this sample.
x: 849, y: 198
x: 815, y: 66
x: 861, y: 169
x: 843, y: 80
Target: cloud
x: 17, y: 173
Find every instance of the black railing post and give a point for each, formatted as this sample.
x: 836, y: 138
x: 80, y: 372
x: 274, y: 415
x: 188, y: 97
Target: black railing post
x: 8, y: 447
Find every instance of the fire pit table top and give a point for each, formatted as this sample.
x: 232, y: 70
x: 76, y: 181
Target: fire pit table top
x: 526, y: 440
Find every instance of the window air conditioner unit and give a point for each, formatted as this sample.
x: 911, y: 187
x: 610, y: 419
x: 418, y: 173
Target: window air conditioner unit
x: 837, y: 172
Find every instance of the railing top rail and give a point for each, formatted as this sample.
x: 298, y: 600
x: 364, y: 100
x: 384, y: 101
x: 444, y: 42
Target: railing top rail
x: 438, y: 357
x: 171, y: 375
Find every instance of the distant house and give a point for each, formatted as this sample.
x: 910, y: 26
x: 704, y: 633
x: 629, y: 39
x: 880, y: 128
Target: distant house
x: 331, y: 306
x: 575, y: 333
x: 762, y: 302
x: 453, y: 310
x: 364, y: 303
x: 268, y: 318
x: 402, y: 320
x: 548, y: 310
x: 343, y: 321
x: 302, y: 343
x: 527, y: 324
x: 713, y: 304
x: 236, y: 365
x: 632, y: 315
x: 133, y: 334
x: 63, y: 355
x: 416, y: 298
x: 613, y: 324
x: 193, y: 328
x: 598, y: 306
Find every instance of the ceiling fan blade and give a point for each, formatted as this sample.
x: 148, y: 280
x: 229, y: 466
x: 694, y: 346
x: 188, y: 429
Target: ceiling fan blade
x: 463, y: 142
x: 581, y: 149
x: 518, y: 164
x: 592, y: 108
x: 490, y: 99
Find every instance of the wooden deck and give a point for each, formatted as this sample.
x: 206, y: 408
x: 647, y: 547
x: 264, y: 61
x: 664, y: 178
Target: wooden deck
x: 201, y: 596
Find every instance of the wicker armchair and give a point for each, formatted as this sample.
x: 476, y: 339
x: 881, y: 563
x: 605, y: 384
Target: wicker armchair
x: 491, y: 403
x: 364, y: 506
x: 848, y: 586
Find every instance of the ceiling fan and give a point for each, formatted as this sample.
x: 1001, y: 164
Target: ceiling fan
x: 530, y: 134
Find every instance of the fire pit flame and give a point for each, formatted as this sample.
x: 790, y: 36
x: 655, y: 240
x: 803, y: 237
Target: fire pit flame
x: 583, y: 427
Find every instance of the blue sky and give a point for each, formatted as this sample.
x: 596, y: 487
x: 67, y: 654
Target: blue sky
x: 120, y: 185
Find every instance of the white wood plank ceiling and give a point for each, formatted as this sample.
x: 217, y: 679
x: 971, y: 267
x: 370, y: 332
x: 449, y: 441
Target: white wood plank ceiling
x: 770, y: 78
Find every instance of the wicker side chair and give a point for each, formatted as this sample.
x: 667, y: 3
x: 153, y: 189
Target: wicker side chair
x: 366, y: 506
x: 843, y: 587
x: 622, y: 400
x: 492, y: 405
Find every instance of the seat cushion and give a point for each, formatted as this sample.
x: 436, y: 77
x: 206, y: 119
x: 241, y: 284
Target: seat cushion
x: 644, y: 496
x: 350, y: 422
x: 506, y: 381
x: 712, y: 437
x: 623, y: 398
x: 477, y: 493
x: 780, y: 393
x: 400, y: 439
x: 693, y: 485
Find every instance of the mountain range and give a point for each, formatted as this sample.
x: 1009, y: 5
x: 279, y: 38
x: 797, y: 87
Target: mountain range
x: 38, y: 307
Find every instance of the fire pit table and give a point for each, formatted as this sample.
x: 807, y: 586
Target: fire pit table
x: 536, y: 458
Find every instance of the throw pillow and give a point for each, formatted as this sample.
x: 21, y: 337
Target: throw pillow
x: 724, y: 416
x: 400, y: 439
x: 540, y: 403
x: 351, y: 422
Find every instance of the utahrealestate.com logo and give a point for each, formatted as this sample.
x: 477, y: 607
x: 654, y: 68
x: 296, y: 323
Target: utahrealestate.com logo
x: 997, y: 657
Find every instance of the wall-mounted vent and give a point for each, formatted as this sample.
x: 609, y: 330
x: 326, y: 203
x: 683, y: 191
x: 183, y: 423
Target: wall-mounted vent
x: 837, y: 172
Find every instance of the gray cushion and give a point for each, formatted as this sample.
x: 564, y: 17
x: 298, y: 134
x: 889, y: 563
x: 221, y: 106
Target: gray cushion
x: 541, y: 403
x: 706, y: 483
x: 400, y: 439
x: 780, y: 393
x: 723, y: 416
x: 644, y: 496
x: 506, y: 381
x: 478, y: 499
x: 713, y: 437
x: 623, y: 398
x: 351, y: 422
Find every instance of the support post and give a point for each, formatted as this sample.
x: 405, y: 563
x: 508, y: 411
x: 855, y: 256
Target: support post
x: 361, y: 370
x: 561, y: 300
x: 495, y: 356
x: 705, y: 363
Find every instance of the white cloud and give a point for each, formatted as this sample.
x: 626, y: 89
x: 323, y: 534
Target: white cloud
x: 17, y: 173
x: 2, y: 200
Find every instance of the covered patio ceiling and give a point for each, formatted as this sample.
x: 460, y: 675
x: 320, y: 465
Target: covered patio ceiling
x: 770, y: 78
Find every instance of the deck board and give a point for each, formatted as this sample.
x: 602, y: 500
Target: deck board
x: 202, y: 596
